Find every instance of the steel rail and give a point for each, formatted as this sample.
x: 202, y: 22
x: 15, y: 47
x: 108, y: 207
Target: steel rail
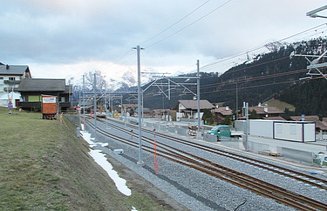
x: 302, y: 177
x: 237, y: 178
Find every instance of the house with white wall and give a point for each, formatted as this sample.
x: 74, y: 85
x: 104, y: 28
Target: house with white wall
x: 10, y: 78
x: 188, y: 108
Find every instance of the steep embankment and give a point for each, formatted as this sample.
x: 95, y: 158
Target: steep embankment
x: 44, y: 166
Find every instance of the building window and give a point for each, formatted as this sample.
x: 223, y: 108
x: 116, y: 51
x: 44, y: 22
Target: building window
x: 1, y: 78
x: 12, y: 78
x: 35, y: 98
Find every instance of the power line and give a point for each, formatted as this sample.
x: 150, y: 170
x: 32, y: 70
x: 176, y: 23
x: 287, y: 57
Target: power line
x: 247, y: 80
x: 174, y: 24
x: 257, y: 48
x: 190, y: 24
x: 130, y: 52
x: 124, y: 55
x: 251, y: 79
x: 250, y: 87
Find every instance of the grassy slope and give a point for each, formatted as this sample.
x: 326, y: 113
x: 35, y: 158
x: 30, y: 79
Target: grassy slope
x: 43, y: 166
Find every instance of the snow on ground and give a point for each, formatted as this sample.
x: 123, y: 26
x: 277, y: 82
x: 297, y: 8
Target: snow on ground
x: 100, y: 158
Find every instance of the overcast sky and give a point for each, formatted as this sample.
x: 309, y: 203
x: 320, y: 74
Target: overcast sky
x: 65, y: 38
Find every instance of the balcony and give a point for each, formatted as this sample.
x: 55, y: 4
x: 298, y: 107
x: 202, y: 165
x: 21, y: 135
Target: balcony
x: 9, y: 89
x: 11, y: 82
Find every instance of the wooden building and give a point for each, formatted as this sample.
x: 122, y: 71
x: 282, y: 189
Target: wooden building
x: 32, y: 89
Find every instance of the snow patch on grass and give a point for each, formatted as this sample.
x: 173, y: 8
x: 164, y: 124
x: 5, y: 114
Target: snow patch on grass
x: 100, y: 158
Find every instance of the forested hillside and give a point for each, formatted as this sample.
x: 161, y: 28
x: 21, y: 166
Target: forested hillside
x: 275, y: 74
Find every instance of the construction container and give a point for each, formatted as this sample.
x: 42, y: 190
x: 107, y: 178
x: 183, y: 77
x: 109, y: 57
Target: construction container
x: 296, y: 131
x: 49, y: 107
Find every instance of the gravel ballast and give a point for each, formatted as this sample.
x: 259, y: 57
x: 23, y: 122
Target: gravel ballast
x: 193, y: 189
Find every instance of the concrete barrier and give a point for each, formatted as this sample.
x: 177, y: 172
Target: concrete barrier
x: 256, y: 147
x: 182, y: 131
x: 209, y: 137
x: 172, y: 130
x: 298, y: 155
x: 163, y: 128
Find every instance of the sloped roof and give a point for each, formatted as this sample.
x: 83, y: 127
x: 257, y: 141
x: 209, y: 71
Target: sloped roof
x: 275, y: 118
x: 270, y: 110
x: 321, y: 125
x: 314, y: 118
x: 223, y: 111
x: 39, y: 84
x: 193, y: 104
x: 307, y: 118
x: 13, y: 69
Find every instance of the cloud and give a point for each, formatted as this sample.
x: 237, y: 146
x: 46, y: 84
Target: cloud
x: 62, y: 38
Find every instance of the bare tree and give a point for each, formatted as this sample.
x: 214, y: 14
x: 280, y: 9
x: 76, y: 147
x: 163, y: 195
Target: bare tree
x: 100, y: 80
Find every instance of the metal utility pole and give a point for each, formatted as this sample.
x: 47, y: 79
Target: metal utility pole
x: 142, y: 106
x: 105, y: 99
x: 109, y: 103
x: 246, y: 129
x: 83, y: 98
x: 95, y: 107
x: 139, y: 98
x: 236, y: 103
x: 198, y: 93
x: 121, y: 106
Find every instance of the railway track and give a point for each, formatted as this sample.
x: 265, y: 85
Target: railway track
x: 296, y: 175
x: 213, y: 169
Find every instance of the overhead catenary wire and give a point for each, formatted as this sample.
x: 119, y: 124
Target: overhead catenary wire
x: 249, y: 79
x: 242, y: 88
x: 210, y: 65
x: 262, y: 85
x: 258, y: 48
x: 188, y: 25
x: 251, y: 87
x: 129, y: 52
x: 246, y: 80
x: 174, y: 24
